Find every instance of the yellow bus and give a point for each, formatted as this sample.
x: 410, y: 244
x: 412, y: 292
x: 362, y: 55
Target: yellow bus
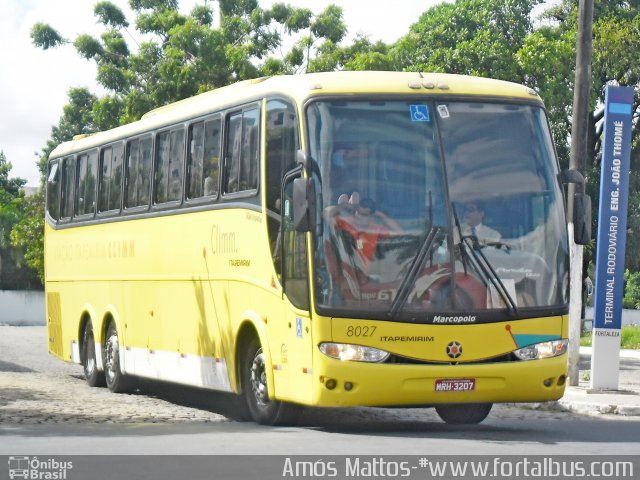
x: 331, y: 239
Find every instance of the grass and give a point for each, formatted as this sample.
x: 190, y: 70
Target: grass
x: 630, y: 338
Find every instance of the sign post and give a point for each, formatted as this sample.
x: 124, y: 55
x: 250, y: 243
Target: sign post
x: 612, y: 231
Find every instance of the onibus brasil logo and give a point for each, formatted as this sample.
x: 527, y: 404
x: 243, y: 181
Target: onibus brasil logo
x: 35, y: 469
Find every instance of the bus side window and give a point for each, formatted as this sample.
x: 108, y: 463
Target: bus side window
x: 110, y: 181
x: 66, y: 203
x: 117, y: 166
x: 211, y: 166
x: 139, y: 155
x: 195, y: 160
x: 106, y: 157
x: 53, y: 190
x: 281, y: 143
x: 131, y: 179
x: 203, y: 158
x: 241, y: 152
x: 144, y: 172
x: 163, y: 147
x: 169, y: 166
x: 85, y: 201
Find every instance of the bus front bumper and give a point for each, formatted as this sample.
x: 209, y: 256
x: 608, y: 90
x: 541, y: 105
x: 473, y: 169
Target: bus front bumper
x: 339, y: 383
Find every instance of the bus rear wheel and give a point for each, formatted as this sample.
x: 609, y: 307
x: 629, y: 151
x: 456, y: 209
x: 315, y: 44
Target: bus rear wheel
x: 92, y: 375
x: 116, y: 381
x: 464, y: 414
x: 256, y: 394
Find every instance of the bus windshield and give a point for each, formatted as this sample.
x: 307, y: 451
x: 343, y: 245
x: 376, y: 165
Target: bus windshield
x: 436, y: 211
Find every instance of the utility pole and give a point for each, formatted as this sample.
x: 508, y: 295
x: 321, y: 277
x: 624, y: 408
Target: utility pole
x: 579, y: 134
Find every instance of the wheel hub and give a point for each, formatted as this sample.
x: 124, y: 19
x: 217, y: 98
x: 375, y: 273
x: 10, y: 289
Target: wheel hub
x: 259, y: 379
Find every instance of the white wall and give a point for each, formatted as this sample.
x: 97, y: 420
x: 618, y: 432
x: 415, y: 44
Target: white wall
x: 22, y: 307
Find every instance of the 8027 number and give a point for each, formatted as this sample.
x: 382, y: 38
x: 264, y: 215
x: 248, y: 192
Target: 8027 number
x: 360, y: 331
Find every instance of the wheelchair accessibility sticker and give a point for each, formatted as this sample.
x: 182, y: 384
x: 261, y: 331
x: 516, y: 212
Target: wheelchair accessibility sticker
x: 419, y: 113
x: 298, y: 327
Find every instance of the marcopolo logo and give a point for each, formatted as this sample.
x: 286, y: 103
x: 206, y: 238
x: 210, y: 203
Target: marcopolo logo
x: 37, y: 469
x: 454, y: 319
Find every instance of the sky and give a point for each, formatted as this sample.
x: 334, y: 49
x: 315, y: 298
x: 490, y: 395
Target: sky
x: 34, y: 82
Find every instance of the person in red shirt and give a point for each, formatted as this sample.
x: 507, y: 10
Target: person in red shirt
x: 367, y: 225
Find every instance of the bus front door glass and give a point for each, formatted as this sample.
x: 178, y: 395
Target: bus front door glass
x: 399, y: 237
x: 294, y: 252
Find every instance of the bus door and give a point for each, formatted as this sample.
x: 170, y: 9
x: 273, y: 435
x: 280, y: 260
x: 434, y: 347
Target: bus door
x: 295, y: 349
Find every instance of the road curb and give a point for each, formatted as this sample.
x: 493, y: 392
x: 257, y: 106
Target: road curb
x: 584, y: 408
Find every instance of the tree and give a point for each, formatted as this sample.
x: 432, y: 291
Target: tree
x: 27, y: 235
x: 632, y: 290
x: 186, y: 54
x: 548, y: 57
x: 13, y: 273
x: 473, y: 37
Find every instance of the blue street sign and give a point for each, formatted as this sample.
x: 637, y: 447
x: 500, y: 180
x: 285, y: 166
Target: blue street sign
x: 612, y: 214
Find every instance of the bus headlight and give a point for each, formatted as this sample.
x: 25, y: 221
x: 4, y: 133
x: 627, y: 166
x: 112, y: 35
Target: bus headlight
x: 354, y: 353
x: 542, y: 350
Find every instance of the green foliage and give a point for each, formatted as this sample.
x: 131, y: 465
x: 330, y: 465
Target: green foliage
x: 632, y: 290
x: 630, y: 337
x: 28, y: 235
x: 547, y: 58
x: 475, y: 37
x: 110, y: 15
x: 45, y: 37
x: 329, y: 24
x: 88, y: 47
x: 14, y: 274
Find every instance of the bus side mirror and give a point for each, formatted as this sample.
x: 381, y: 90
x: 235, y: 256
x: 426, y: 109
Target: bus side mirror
x: 303, y: 204
x: 581, y: 207
x: 581, y: 218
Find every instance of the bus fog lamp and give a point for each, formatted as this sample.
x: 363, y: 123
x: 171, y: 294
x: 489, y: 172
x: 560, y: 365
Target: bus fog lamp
x: 354, y: 353
x: 542, y: 350
x: 330, y: 384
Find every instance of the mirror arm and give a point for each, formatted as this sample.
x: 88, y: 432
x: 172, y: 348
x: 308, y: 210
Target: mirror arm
x: 572, y: 176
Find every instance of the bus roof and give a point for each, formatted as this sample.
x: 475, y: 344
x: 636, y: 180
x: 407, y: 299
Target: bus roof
x: 301, y: 87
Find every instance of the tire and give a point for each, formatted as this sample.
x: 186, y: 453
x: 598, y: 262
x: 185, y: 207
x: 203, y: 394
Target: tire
x: 254, y: 390
x: 464, y: 414
x: 92, y: 375
x: 116, y: 381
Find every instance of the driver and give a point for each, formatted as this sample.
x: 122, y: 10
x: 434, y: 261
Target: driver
x: 473, y: 226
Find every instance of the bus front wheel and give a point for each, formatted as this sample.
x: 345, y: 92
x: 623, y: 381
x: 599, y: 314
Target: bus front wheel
x: 117, y: 382
x: 256, y: 394
x: 92, y: 375
x: 464, y: 414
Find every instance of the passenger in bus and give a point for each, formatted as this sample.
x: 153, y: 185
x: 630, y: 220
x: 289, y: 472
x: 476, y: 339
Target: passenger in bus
x: 344, y: 208
x: 367, y: 225
x: 209, y: 186
x: 473, y: 226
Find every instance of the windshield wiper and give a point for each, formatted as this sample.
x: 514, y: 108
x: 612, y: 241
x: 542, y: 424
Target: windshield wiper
x: 414, y: 270
x: 482, y: 264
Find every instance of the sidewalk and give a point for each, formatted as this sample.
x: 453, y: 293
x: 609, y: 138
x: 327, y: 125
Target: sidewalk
x: 581, y: 399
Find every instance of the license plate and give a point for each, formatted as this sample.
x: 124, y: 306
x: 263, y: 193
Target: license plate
x: 455, y: 384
